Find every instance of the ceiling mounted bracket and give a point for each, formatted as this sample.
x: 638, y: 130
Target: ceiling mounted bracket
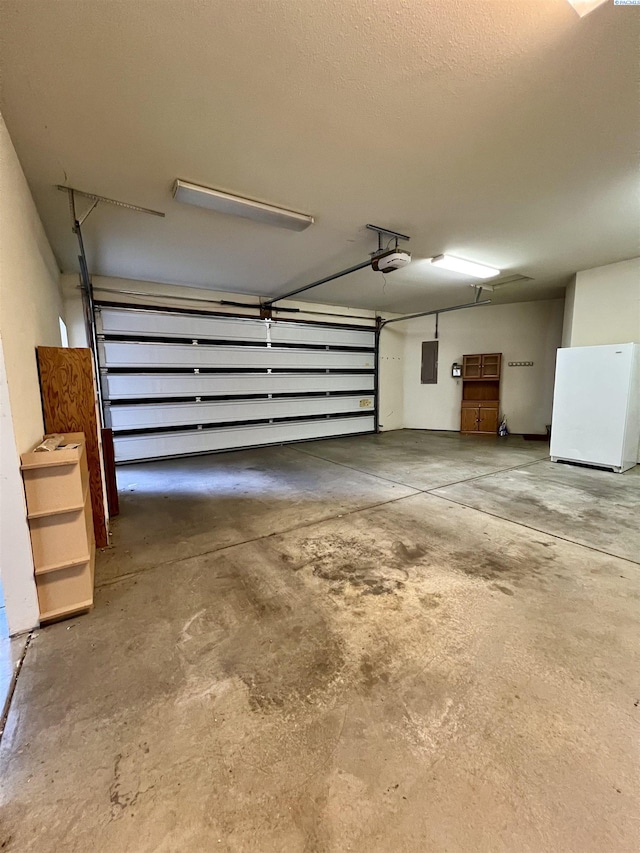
x: 72, y: 192
x: 93, y: 204
x: 85, y: 277
x: 392, y: 235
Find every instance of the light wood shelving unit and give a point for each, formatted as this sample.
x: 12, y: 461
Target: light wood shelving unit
x: 60, y: 520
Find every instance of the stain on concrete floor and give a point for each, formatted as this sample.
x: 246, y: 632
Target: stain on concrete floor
x: 359, y: 563
x: 259, y: 697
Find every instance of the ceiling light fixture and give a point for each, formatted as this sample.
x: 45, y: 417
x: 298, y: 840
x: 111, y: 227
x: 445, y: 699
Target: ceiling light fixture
x: 448, y: 262
x: 583, y: 7
x: 236, y: 205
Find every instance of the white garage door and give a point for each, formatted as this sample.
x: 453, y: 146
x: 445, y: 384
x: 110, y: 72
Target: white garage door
x: 177, y: 382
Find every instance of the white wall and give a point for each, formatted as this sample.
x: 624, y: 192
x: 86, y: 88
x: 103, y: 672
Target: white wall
x: 107, y: 289
x: 16, y: 563
x: 523, y: 331
x: 30, y: 296
x: 30, y: 306
x: 605, y: 306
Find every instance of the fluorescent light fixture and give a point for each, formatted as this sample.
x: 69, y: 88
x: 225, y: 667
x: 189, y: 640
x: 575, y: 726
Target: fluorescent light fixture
x: 235, y: 205
x: 448, y: 262
x: 583, y: 7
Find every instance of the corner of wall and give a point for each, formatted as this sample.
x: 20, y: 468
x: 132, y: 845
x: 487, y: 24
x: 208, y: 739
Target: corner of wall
x: 73, y: 310
x: 391, y: 379
x: 567, y: 322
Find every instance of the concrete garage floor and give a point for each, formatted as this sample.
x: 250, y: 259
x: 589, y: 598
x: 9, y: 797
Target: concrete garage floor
x: 405, y: 642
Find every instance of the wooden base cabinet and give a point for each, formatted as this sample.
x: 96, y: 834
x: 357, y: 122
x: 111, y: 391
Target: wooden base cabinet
x: 480, y: 417
x: 56, y: 487
x: 480, y: 410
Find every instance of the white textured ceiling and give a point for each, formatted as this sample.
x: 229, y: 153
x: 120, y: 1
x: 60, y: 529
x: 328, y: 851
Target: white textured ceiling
x: 505, y: 131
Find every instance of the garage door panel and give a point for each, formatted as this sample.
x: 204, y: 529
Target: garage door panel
x: 141, y: 323
x: 118, y: 386
x: 119, y: 354
x: 274, y: 381
x: 154, y: 415
x: 299, y: 333
x: 134, y: 448
x: 166, y: 324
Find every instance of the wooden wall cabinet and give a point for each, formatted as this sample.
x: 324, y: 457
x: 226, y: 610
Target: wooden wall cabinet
x: 56, y: 485
x: 480, y: 411
x: 484, y: 366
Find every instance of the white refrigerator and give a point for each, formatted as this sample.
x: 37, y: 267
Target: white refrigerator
x: 596, y: 406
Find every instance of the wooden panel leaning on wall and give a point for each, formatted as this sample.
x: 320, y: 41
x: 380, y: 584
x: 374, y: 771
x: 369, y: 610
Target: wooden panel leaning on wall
x: 70, y: 404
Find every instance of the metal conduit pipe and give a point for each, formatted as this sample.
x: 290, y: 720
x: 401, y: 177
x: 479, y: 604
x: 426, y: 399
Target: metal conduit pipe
x: 436, y: 311
x: 269, y: 302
